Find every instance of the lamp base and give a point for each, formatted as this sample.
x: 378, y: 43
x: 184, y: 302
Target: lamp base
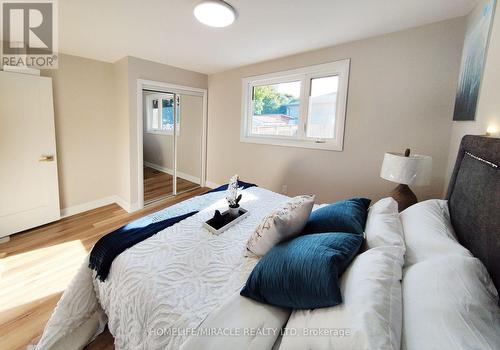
x: 404, y: 196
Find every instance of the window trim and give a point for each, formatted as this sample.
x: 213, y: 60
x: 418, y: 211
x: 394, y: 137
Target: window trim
x: 149, y: 118
x: 304, y: 75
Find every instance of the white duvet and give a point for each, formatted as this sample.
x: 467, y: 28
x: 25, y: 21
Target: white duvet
x: 167, y: 284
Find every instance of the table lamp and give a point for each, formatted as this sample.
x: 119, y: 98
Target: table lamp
x: 406, y: 169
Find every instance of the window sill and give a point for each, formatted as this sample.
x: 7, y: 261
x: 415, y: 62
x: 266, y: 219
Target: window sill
x: 327, y: 146
x: 165, y: 133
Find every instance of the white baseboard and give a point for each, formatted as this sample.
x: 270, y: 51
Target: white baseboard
x: 129, y: 207
x: 188, y: 177
x: 211, y: 184
x: 159, y: 168
x: 80, y: 208
x: 180, y: 174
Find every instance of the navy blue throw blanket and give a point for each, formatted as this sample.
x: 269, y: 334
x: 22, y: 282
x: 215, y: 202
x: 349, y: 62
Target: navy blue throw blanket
x: 113, y: 244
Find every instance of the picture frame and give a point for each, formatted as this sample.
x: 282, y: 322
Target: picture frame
x: 473, y: 61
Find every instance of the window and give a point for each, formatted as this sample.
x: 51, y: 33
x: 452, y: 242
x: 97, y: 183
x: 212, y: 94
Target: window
x: 302, y: 108
x: 160, y: 111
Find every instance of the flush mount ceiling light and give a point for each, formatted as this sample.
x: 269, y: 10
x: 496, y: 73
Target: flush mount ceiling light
x: 215, y: 13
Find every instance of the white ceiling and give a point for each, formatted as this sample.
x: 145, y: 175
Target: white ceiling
x: 166, y: 31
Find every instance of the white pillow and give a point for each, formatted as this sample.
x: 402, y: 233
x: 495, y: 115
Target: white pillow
x: 383, y: 225
x: 371, y: 312
x: 286, y: 221
x: 450, y: 303
x: 428, y: 232
x: 253, y: 325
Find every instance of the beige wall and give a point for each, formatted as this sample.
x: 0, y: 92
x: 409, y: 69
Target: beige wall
x: 488, y: 108
x: 158, y: 150
x: 401, y: 94
x: 86, y: 133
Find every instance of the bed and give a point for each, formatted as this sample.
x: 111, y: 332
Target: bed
x: 162, y: 290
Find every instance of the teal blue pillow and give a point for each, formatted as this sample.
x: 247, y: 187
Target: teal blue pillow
x: 345, y: 216
x: 303, y: 273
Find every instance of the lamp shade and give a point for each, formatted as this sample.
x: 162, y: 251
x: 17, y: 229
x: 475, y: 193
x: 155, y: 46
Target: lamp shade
x: 412, y: 170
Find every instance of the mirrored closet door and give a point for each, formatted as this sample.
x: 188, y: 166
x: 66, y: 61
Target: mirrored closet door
x: 172, y: 143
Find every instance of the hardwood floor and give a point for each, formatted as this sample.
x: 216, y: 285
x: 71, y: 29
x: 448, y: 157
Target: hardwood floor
x: 158, y: 184
x: 37, y: 265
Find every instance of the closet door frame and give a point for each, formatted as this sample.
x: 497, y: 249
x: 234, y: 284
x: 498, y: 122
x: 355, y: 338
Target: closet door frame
x: 137, y: 162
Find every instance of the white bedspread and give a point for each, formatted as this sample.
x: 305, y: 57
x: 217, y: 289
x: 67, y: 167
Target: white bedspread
x: 167, y: 283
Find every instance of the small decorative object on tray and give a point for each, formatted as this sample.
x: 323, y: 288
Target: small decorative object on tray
x: 222, y: 221
x: 232, y: 197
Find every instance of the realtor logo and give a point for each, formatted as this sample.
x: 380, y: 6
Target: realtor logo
x: 28, y: 34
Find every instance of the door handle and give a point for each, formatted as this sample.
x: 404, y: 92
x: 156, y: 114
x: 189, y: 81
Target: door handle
x: 46, y: 158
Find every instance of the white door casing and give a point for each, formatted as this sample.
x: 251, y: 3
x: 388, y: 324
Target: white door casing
x: 29, y: 191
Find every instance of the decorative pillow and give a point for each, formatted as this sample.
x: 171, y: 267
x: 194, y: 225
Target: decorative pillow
x: 286, y: 221
x: 383, y: 225
x: 370, y: 316
x: 303, y: 273
x: 450, y: 303
x: 345, y: 216
x: 428, y: 232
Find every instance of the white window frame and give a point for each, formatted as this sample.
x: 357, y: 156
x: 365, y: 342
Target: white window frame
x: 304, y: 75
x: 149, y: 117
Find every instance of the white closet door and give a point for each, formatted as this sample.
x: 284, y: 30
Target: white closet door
x: 29, y: 192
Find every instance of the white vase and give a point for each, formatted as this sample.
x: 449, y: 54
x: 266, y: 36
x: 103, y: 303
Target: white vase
x: 233, y: 212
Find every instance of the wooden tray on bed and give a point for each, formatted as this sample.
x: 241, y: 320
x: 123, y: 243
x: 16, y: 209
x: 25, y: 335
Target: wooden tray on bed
x: 228, y: 221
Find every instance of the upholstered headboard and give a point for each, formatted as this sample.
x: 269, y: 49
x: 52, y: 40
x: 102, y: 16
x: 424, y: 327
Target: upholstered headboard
x: 474, y: 200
